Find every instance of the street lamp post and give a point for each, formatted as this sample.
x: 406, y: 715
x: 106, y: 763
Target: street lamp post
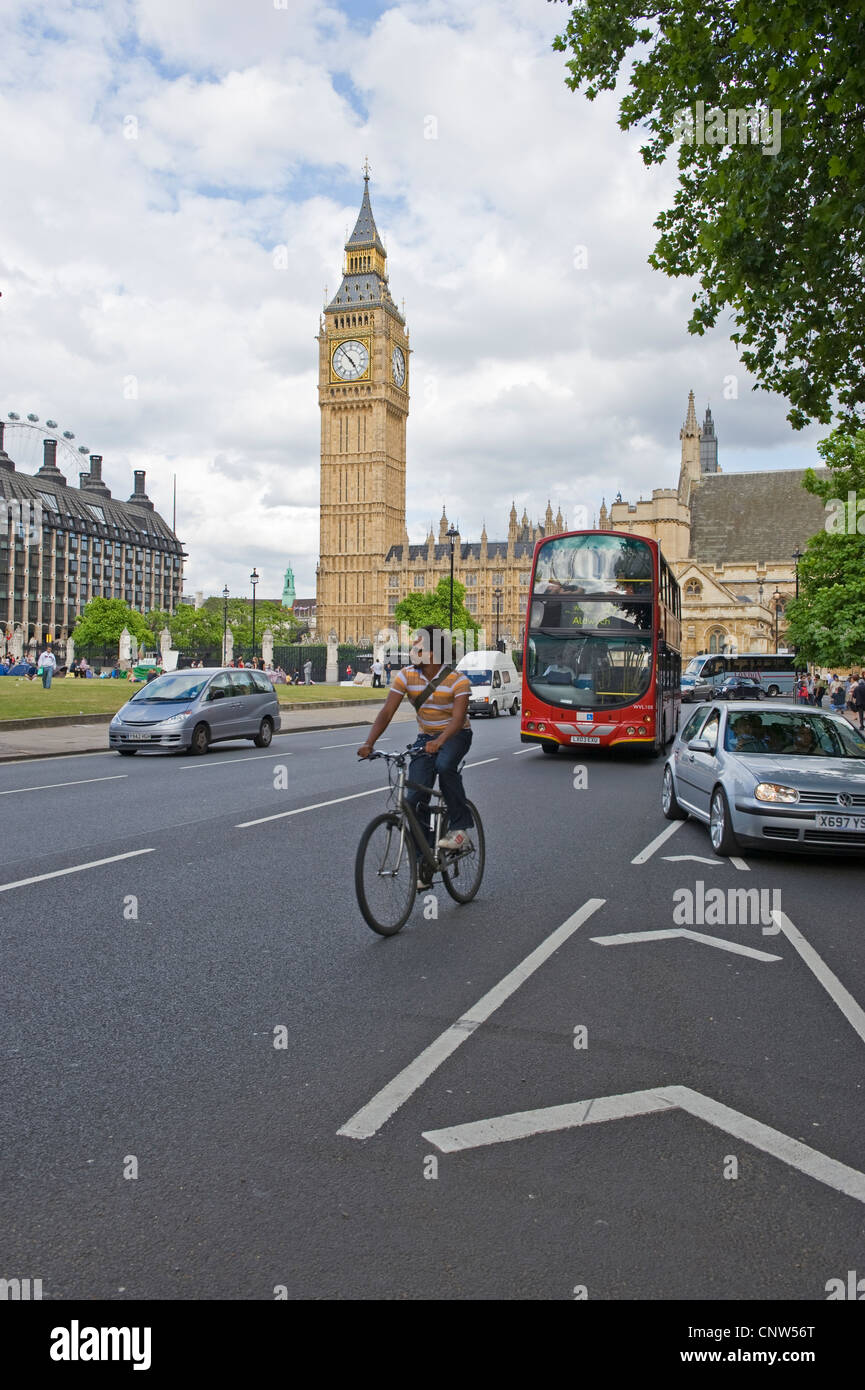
x: 497, y: 595
x: 776, y: 600
x: 796, y: 557
x: 452, y: 535
x: 224, y: 623
x: 253, y: 579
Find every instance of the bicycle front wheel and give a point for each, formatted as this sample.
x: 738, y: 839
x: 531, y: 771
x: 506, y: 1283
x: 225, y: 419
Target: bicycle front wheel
x: 385, y: 874
x: 462, y: 873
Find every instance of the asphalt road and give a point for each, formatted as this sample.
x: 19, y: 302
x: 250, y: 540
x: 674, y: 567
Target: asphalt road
x: 141, y: 1000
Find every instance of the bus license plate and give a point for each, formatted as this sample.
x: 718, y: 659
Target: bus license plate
x: 827, y: 822
x: 583, y: 738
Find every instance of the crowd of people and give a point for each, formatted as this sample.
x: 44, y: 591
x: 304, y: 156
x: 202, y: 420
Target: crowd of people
x: 844, y: 693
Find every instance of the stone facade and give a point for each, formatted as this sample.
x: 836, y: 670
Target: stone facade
x: 730, y: 539
x: 61, y: 546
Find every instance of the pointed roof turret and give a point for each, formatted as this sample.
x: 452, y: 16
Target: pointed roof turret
x: 364, y: 279
x: 365, y: 231
x: 690, y: 426
x: 548, y: 517
x: 560, y: 520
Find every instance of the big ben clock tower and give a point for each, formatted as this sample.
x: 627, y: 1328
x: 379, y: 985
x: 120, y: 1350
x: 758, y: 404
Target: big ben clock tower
x: 363, y: 377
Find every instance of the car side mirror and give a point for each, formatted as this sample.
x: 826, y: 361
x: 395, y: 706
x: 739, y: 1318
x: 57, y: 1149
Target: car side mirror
x: 701, y: 745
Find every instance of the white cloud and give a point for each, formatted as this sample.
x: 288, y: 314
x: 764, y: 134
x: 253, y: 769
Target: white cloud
x: 156, y: 154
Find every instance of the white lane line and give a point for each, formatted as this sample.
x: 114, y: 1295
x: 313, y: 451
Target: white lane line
x: 657, y: 842
x: 670, y: 933
x: 74, y: 869
x: 50, y: 786
x: 522, y: 750
x: 524, y: 1123
x: 852, y: 1011
x: 740, y: 864
x: 370, y: 1118
x: 481, y: 763
x: 667, y: 1098
x: 353, y: 744
x: 317, y: 806
x: 250, y: 758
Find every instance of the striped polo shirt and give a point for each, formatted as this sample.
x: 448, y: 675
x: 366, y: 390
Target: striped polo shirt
x: 436, y: 712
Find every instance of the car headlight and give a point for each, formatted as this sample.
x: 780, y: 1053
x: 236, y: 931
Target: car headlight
x: 770, y: 791
x: 173, y: 718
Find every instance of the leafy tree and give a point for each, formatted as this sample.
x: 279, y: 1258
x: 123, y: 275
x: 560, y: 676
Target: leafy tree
x: 778, y: 237
x: 103, y: 619
x: 192, y: 627
x: 281, y: 621
x: 419, y: 610
x: 826, y: 624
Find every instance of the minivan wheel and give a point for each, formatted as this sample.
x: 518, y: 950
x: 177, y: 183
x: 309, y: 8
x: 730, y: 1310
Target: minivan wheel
x: 200, y: 741
x: 494, y: 711
x: 264, y: 735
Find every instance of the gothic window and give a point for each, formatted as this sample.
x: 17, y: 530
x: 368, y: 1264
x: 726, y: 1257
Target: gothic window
x: 524, y: 578
x: 419, y: 581
x: 470, y: 580
x: 717, y: 639
x: 498, y: 578
x: 472, y: 603
x: 693, y: 588
x: 393, y: 581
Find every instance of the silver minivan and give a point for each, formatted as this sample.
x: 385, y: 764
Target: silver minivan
x: 192, y: 709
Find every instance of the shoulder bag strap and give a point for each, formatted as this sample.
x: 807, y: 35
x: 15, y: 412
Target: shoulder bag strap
x: 432, y: 686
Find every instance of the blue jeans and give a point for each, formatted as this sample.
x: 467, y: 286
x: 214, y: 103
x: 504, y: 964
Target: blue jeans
x: 47, y: 673
x: 423, y: 769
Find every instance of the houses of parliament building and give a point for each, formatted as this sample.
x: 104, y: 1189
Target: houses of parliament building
x: 731, y: 538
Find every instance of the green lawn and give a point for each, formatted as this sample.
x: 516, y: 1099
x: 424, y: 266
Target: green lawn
x: 23, y: 699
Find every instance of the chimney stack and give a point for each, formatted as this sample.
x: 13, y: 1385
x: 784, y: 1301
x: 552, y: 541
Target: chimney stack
x: 139, y: 497
x: 49, y: 467
x: 95, y: 483
x: 5, y: 460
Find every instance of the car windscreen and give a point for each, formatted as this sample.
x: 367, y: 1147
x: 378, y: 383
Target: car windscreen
x: 168, y: 689
x: 794, y: 735
x: 478, y: 677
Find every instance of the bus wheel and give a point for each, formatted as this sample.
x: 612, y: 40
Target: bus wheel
x: 551, y: 749
x: 773, y: 690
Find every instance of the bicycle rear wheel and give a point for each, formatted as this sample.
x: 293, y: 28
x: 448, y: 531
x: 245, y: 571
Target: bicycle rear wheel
x: 385, y: 874
x: 462, y: 873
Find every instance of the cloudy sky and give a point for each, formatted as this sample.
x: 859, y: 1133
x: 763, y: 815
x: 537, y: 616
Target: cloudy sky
x: 158, y: 154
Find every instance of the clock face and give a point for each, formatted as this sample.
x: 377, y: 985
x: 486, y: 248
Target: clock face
x: 350, y: 360
x: 397, y: 361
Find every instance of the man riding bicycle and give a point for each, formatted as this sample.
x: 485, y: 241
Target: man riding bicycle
x: 444, y: 736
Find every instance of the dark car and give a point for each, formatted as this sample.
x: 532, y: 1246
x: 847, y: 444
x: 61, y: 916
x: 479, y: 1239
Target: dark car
x: 740, y: 688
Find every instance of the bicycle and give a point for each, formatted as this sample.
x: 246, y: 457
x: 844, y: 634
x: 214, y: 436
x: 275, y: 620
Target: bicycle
x: 386, y: 865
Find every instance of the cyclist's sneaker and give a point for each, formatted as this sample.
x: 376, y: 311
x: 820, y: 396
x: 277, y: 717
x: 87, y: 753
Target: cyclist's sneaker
x: 457, y: 839
x: 424, y: 878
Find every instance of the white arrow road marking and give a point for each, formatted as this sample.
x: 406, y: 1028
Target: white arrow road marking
x: 832, y: 985
x: 740, y: 864
x: 657, y: 842
x: 370, y: 1119
x: 628, y: 939
x: 664, y: 1098
x: 696, y: 858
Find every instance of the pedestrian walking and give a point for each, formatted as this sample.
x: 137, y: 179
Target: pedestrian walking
x: 377, y: 671
x: 388, y: 672
x: 47, y: 665
x: 307, y: 672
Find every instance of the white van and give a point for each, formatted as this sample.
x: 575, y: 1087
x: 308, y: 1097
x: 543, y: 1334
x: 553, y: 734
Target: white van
x: 495, y: 683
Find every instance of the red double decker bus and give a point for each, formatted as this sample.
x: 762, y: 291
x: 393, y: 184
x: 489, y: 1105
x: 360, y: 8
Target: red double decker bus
x: 601, y: 661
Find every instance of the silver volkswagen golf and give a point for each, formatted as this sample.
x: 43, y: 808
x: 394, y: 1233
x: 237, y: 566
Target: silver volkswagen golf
x: 192, y: 709
x: 779, y: 777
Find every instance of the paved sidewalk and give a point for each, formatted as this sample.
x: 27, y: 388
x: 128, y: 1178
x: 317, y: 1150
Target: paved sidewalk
x: 17, y: 745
